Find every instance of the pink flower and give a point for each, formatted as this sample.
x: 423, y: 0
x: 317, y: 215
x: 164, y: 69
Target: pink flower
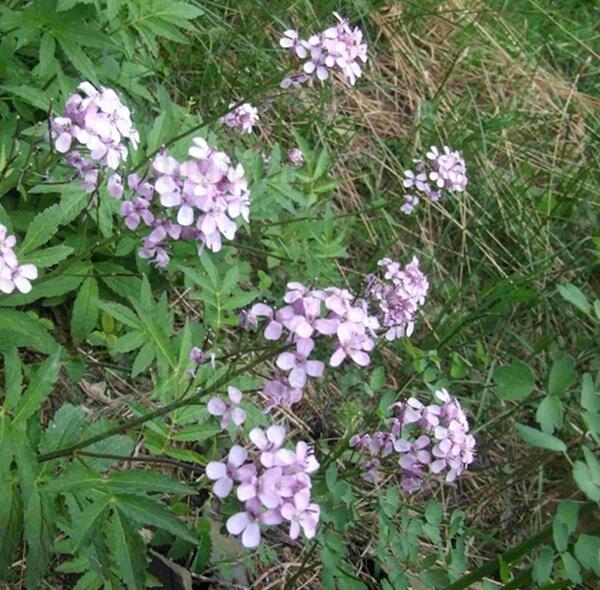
x: 226, y: 473
x: 230, y: 412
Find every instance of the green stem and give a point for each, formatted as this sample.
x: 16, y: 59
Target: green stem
x: 156, y: 413
x: 516, y: 552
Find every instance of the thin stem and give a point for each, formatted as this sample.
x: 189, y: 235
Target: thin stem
x: 156, y: 413
x: 516, y: 552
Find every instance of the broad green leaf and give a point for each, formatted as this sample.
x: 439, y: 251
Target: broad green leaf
x: 568, y: 513
x: 128, y: 550
x: 41, y: 229
x: 39, y: 387
x: 587, y: 552
x: 542, y: 566
x: 590, y: 399
x: 13, y: 379
x: 48, y: 256
x: 150, y: 511
x: 146, y: 481
x: 64, y: 429
x: 91, y: 580
x: 540, y: 439
x: 571, y: 567
x: 562, y: 375
x: 515, y: 381
x: 549, y: 414
x: 575, y: 296
x: 85, y: 310
x: 587, y: 475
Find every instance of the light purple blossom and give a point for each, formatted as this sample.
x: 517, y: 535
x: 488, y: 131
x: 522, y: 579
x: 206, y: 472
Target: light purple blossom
x: 244, y: 117
x: 224, y: 474
x: 440, y: 172
x: 295, y: 157
x: 98, y: 121
x: 339, y: 48
x: 426, y: 438
x: 12, y: 274
x: 230, y: 411
x: 298, y: 365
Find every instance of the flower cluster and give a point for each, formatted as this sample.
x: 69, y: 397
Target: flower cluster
x: 198, y: 199
x: 437, y: 173
x: 273, y: 484
x: 432, y: 438
x: 398, y: 296
x: 338, y: 48
x: 243, y: 118
x: 310, y: 314
x: 12, y: 274
x: 295, y: 157
x: 92, y: 131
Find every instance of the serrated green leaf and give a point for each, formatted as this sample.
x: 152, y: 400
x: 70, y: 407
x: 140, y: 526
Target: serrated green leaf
x: 143, y: 359
x: 90, y: 520
x: 128, y: 550
x: 19, y: 329
x: 121, y: 314
x: 515, y: 381
x: 147, y: 510
x: 204, y: 551
x: 72, y: 202
x: 130, y: 341
x: 83, y: 479
x: 39, y: 388
x: 64, y: 429
x: 85, y: 310
x: 44, y: 225
x: 81, y: 62
x: 146, y: 481
x: 13, y: 379
x: 540, y: 439
x: 29, y: 94
x: 48, y: 256
x: 11, y: 531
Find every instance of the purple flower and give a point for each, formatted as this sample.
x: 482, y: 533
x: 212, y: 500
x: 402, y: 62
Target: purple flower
x: 295, y: 157
x: 338, y: 48
x: 16, y: 275
x: 247, y: 523
x: 135, y: 211
x: 268, y: 443
x: 224, y: 474
x: 279, y: 392
x: 115, y: 186
x: 298, y: 365
x: 352, y: 342
x: 230, y: 412
x: 302, y: 516
x: 243, y: 117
